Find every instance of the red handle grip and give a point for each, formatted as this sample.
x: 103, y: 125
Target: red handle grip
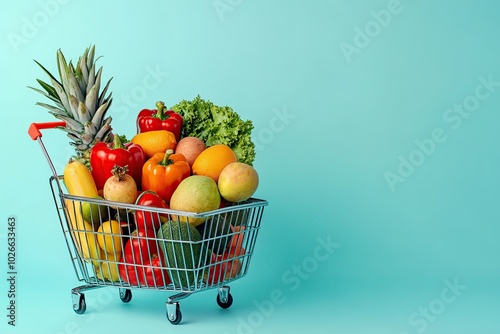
x: 34, y: 129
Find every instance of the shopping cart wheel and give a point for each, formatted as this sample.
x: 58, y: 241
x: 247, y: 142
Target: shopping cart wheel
x: 224, y: 297
x: 79, y: 305
x: 125, y: 295
x: 174, y: 314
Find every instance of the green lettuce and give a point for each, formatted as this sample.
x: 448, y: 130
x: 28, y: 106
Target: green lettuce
x: 217, y: 125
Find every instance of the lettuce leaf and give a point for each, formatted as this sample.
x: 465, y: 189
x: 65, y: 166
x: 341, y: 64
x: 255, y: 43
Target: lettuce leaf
x: 217, y: 125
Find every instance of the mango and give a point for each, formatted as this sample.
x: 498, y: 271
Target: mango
x: 196, y: 193
x: 238, y: 182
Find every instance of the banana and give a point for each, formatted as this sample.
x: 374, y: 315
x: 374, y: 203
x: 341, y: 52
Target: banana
x: 79, y: 182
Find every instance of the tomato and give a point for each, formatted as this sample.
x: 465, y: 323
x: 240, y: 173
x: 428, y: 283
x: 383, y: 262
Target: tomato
x: 148, y: 220
x: 222, y: 269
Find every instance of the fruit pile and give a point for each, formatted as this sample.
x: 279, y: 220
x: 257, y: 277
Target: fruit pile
x: 189, y: 160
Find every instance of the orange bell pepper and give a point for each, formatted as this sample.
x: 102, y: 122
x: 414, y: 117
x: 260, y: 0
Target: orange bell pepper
x: 163, y: 172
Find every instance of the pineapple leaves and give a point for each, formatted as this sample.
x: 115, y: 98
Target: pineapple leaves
x: 98, y: 79
x: 83, y: 113
x: 70, y: 122
x: 90, y: 56
x: 82, y: 66
x: 73, y: 102
x: 91, y: 100
x: 105, y: 130
x: 51, y: 92
x: 102, y: 98
x: 91, y: 81
x: 58, y: 88
x: 62, y: 68
x: 73, y: 86
x: 52, y: 109
x: 101, y: 111
x: 76, y: 98
x: 47, y: 72
x: 55, y: 98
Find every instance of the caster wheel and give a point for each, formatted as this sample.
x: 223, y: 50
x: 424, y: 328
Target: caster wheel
x: 125, y: 295
x: 175, y: 317
x: 80, y: 307
x: 225, y: 303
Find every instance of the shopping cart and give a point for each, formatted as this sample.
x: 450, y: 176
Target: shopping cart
x: 107, y: 251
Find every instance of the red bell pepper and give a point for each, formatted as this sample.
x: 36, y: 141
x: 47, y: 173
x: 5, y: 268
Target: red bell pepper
x: 104, y: 156
x: 147, y: 220
x: 150, y: 274
x: 143, y: 261
x: 159, y: 119
x: 142, y: 245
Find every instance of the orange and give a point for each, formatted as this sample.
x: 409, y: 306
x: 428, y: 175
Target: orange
x: 212, y: 161
x: 157, y: 141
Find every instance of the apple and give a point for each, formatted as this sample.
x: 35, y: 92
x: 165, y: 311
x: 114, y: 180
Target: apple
x: 237, y: 182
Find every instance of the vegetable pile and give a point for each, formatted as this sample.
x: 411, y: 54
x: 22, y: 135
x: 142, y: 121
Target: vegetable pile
x: 195, y: 157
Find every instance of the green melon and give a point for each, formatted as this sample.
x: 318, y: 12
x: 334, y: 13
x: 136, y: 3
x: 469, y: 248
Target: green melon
x: 182, y: 248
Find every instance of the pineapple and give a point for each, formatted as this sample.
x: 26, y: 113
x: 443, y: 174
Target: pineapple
x: 77, y: 100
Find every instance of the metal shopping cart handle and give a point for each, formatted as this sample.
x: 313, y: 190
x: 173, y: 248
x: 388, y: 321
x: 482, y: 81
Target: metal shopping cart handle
x: 34, y: 129
x: 35, y: 134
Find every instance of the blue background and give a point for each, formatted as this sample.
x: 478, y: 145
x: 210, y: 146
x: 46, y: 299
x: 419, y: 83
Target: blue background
x: 340, y: 94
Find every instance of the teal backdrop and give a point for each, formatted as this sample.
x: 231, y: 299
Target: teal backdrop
x: 377, y: 132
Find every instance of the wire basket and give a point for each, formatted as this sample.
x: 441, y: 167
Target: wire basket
x: 188, y: 252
